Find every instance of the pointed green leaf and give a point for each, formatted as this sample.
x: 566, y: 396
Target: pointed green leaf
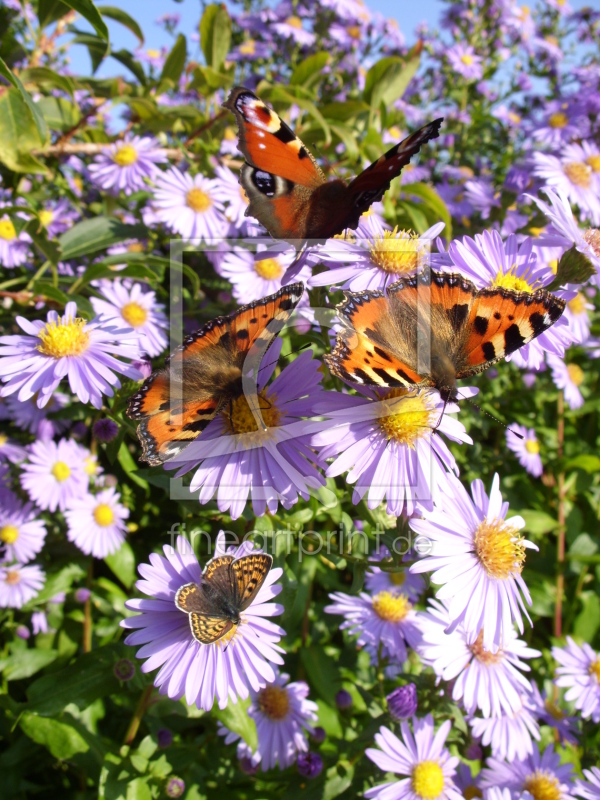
x: 175, y: 61
x: 112, y: 12
x: 61, y: 739
x: 98, y: 233
x: 34, y: 110
x: 215, y: 35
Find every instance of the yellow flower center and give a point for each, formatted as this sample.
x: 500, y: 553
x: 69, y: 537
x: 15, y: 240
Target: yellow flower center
x: 46, y: 216
x: 467, y: 59
x: 134, y: 314
x: 593, y: 162
x: 239, y: 416
x: 397, y: 578
x: 66, y: 337
x: 427, y: 780
x: 135, y: 247
x: 500, y: 549
x: 7, y: 230
x: 153, y: 53
x: 553, y: 264
x: 268, y: 268
x: 90, y: 465
x: 558, y: 120
x: 543, y: 786
x: 247, y: 48
x: 353, y: 31
x: 294, y: 22
x: 391, y: 607
x: 60, y: 471
x: 579, y: 173
x: 397, y: 251
x: 472, y: 791
x: 125, y: 156
x: 12, y: 576
x: 514, y: 118
x: 532, y: 446
x: 3, y: 439
x: 578, y: 304
x: 551, y: 40
x: 509, y: 280
x: 103, y: 515
x: 594, y: 669
x: 592, y: 237
x: 9, y: 534
x: 230, y: 135
x: 483, y: 655
x: 274, y: 702
x: 407, y: 418
x: 537, y: 232
x: 198, y: 200
x: 553, y: 710
x: 523, y: 12
x: 575, y: 374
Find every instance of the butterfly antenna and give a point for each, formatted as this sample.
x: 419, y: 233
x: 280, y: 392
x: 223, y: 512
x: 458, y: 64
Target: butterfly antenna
x: 439, y: 422
x: 491, y: 416
x: 325, y: 159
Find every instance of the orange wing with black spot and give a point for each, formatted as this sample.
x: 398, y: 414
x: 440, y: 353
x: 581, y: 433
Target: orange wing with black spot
x: 249, y: 573
x: 175, y: 404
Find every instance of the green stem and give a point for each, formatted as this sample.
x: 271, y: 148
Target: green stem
x: 560, y: 549
x: 41, y: 271
x: 138, y: 715
x: 87, y: 613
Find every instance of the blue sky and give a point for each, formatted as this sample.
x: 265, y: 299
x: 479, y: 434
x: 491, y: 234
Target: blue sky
x: 145, y: 12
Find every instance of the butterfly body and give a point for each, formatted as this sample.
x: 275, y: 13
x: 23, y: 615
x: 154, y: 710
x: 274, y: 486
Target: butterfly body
x: 287, y: 190
x: 433, y: 329
x: 205, y: 374
x: 228, y: 588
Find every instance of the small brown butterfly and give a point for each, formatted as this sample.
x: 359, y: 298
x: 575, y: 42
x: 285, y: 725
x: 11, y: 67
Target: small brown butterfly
x: 227, y: 588
x: 465, y: 330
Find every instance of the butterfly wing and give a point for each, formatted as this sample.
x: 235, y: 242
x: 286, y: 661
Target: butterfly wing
x: 249, y: 574
x: 280, y: 174
x: 204, y: 373
x: 206, y: 629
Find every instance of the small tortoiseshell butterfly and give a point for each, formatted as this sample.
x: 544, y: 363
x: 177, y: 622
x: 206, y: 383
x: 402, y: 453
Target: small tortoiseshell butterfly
x: 460, y: 330
x: 204, y: 374
x: 287, y: 190
x: 228, y: 587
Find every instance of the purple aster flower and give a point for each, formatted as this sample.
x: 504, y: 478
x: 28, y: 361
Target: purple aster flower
x: 96, y: 524
x: 202, y: 672
x: 57, y: 216
x: 343, y: 700
x: 398, y: 580
x: 490, y: 682
x: 14, y: 247
x: 19, y: 585
x: 510, y: 734
x: 175, y: 787
x: 490, y: 262
x: 27, y: 416
x: 579, y: 673
x: 283, y: 716
x: 572, y: 176
x: 578, y: 316
x: 228, y: 190
x: 256, y: 275
x: 39, y: 622
x: 374, y: 261
x: 590, y: 788
x: 560, y: 124
x: 422, y: 758
x: 10, y: 450
x: 250, y: 50
x: 234, y: 459
x: 105, y: 430
x: 390, y: 445
x: 136, y: 308
x: 54, y: 474
x: 527, y: 448
x: 291, y: 28
x: 22, y: 533
x: 189, y: 205
x: 538, y: 775
x: 66, y: 346
x: 463, y: 60
x: 464, y: 780
x: 82, y: 595
x: 310, y: 765
x: 126, y: 166
x: 23, y: 632
x: 382, y: 619
x: 402, y: 702
x: 568, y: 377
x: 477, y: 557
x: 549, y: 713
x: 481, y: 195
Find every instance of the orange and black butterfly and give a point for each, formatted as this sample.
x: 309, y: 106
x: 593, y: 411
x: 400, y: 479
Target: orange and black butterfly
x: 289, y: 193
x: 433, y: 329
x: 204, y: 374
x: 228, y: 587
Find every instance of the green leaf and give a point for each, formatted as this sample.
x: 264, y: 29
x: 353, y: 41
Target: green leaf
x: 112, y: 12
x: 309, y: 69
x: 62, y: 740
x: 215, y: 35
x: 175, y: 61
x: 98, y: 233
x: 122, y: 563
x: 235, y: 717
x: 538, y: 522
x: 96, y: 47
x: 432, y: 199
x: 56, y: 582
x: 26, y: 663
x: 48, y: 79
x: 588, y: 620
x: 59, y: 113
x: 573, y: 267
x: 321, y: 672
x: 88, y: 679
x: 388, y: 79
x: 50, y: 11
x: 418, y: 219
x: 96, y: 271
x: 34, y: 110
x: 19, y: 134
x: 125, y: 57
x: 89, y: 12
x: 49, y: 249
x: 279, y: 93
x: 588, y: 463
x: 129, y: 466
